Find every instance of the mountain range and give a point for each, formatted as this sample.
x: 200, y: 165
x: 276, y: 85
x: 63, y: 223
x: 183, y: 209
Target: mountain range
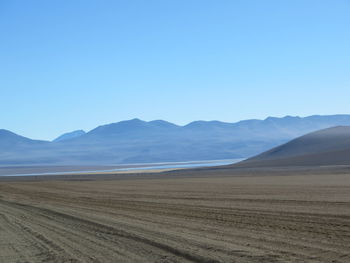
x: 137, y: 141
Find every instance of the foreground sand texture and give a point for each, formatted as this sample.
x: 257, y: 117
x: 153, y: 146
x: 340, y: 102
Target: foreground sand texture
x: 214, y: 218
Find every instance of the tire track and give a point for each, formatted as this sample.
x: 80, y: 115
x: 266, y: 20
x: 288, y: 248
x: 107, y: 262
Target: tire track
x: 102, y: 229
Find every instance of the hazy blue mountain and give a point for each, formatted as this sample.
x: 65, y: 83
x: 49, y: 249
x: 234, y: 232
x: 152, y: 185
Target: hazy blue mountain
x: 69, y: 135
x: 10, y: 141
x: 135, y: 141
x: 15, y: 149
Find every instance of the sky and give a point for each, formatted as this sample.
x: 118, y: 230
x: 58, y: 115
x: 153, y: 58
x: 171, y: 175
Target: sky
x: 78, y: 64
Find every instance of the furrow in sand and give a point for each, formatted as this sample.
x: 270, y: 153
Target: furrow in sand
x: 98, y: 228
x: 271, y: 244
x: 153, y: 221
x: 273, y: 241
x: 304, y: 224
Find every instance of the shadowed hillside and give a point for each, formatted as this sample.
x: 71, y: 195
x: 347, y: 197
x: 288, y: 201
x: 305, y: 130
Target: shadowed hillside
x: 325, y: 147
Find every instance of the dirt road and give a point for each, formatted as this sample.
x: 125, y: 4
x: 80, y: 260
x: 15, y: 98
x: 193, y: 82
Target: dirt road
x: 290, y: 218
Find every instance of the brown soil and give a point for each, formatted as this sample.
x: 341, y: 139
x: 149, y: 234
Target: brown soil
x: 164, y: 218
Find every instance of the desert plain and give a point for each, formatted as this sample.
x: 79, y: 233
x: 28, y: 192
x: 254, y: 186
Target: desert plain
x: 210, y: 215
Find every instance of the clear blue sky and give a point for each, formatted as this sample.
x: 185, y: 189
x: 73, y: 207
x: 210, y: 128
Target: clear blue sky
x: 66, y: 65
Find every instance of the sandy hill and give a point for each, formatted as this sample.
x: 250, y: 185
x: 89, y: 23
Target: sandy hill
x: 325, y: 147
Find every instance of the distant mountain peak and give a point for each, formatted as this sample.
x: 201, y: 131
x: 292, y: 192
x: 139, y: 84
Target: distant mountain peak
x: 9, y: 134
x: 287, y: 117
x: 69, y: 135
x: 3, y: 131
x: 163, y: 123
x: 131, y: 127
x: 201, y: 123
x: 135, y: 120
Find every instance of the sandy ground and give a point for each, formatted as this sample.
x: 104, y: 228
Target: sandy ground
x: 218, y: 217
x: 27, y: 170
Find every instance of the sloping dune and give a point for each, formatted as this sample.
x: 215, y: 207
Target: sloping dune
x: 325, y: 147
